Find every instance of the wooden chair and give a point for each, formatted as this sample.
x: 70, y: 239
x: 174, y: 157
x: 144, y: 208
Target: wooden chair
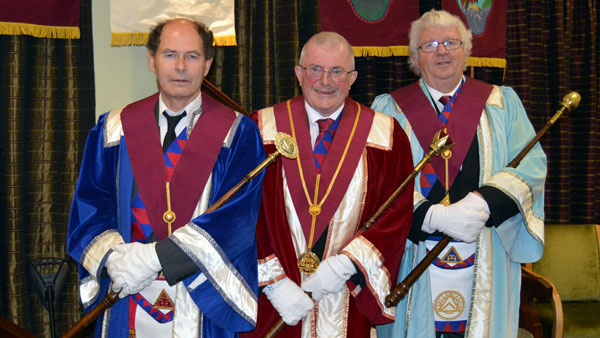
x: 571, y: 261
x: 537, y: 288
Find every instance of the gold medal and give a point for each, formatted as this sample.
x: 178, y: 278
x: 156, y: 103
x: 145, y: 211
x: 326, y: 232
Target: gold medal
x: 314, y: 209
x: 308, y: 262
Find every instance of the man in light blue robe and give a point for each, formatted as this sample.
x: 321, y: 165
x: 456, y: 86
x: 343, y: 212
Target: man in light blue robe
x: 137, y: 224
x: 494, y: 213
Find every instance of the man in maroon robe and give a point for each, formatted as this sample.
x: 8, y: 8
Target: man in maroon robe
x: 317, y: 269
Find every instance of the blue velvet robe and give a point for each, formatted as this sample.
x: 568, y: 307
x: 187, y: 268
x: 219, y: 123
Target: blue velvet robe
x: 222, y: 243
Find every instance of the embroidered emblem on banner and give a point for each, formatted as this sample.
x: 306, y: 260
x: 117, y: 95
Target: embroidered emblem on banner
x: 164, y: 302
x: 370, y: 11
x: 449, y: 304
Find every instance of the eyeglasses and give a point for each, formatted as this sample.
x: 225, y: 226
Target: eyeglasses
x: 430, y: 47
x: 336, y: 73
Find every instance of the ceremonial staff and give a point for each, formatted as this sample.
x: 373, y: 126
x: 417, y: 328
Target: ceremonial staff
x: 568, y: 103
x: 436, y: 148
x: 285, y: 146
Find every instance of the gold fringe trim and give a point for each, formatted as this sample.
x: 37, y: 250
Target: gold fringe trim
x: 403, y: 51
x: 486, y: 62
x: 140, y: 39
x: 380, y: 51
x: 128, y: 39
x: 39, y: 31
x: 225, y: 40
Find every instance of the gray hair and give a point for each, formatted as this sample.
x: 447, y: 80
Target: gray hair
x: 331, y: 39
x: 436, y: 18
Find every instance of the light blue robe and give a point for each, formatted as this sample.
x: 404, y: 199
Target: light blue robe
x: 503, y: 131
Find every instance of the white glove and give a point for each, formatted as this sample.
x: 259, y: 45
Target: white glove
x: 462, y: 220
x: 289, y: 300
x: 132, y: 267
x: 330, y: 277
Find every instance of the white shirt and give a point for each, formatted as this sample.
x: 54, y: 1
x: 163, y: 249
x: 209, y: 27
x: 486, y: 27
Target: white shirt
x: 314, y: 116
x: 436, y: 94
x: 192, y: 112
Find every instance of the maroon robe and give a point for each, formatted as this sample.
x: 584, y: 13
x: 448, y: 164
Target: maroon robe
x: 386, y: 168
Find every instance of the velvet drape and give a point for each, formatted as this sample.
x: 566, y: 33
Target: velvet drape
x: 47, y: 108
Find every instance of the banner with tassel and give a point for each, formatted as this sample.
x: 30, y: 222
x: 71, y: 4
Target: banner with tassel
x: 56, y: 19
x: 487, y: 21
x: 373, y: 28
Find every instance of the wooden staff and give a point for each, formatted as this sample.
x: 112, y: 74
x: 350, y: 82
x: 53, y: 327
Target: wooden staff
x: 437, y: 146
x: 568, y: 103
x: 285, y: 146
x: 213, y: 91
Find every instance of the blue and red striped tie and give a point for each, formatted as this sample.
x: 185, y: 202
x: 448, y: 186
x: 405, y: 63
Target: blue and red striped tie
x: 327, y: 128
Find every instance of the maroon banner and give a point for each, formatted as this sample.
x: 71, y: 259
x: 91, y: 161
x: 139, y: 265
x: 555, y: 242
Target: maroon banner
x: 43, y: 19
x: 373, y: 28
x: 487, y: 21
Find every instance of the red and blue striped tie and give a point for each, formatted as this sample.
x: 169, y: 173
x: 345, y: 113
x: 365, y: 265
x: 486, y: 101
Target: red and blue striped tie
x: 327, y: 129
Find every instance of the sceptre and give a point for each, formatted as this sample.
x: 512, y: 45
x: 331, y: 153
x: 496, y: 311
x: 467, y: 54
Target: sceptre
x: 285, y: 145
x: 568, y: 103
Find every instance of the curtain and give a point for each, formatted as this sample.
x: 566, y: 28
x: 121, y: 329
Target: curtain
x: 47, y: 108
x: 550, y: 50
x: 46, y: 111
x: 260, y: 70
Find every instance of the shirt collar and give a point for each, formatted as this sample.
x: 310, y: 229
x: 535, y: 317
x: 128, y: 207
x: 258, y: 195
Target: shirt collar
x: 314, y: 115
x: 189, y: 108
x: 436, y: 94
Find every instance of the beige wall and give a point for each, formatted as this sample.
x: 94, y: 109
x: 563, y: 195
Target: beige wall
x: 121, y: 73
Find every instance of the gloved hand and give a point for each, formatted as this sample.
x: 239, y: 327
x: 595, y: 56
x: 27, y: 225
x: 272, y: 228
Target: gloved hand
x: 132, y: 267
x: 462, y: 220
x: 289, y: 300
x: 330, y: 277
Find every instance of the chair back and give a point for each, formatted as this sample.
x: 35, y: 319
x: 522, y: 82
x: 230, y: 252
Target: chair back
x: 571, y: 260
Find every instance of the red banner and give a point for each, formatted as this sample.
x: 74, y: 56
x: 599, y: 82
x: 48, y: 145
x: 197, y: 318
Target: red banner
x: 373, y: 28
x: 42, y: 19
x: 487, y: 21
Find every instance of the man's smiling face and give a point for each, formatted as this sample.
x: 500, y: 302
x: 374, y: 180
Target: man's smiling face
x: 324, y: 94
x: 441, y: 69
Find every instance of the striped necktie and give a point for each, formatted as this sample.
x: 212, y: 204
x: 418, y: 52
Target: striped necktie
x: 445, y: 114
x: 323, y: 141
x: 172, y: 122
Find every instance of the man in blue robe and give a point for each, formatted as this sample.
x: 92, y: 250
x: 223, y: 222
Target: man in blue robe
x: 137, y: 224
x: 494, y: 213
